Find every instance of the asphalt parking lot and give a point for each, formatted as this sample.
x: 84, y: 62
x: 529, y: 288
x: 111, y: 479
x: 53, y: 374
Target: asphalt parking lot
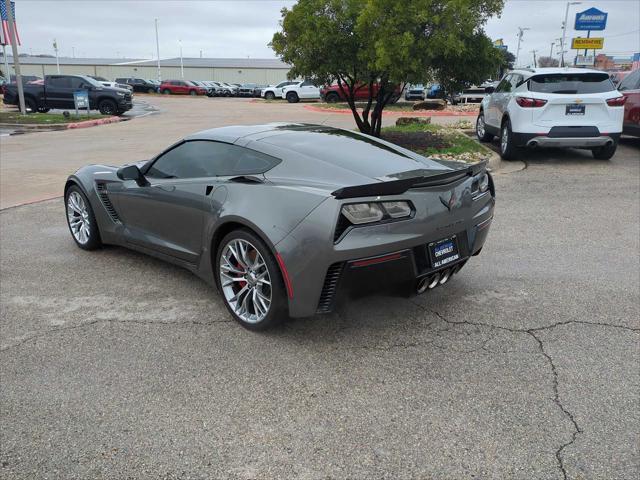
x: 525, y: 365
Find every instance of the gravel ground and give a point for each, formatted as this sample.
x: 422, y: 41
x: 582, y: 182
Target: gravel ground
x: 525, y: 366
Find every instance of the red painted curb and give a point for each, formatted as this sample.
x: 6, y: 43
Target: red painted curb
x: 93, y: 123
x: 430, y: 113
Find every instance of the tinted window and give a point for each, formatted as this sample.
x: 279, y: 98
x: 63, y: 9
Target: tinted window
x: 202, y: 158
x: 121, y: 80
x: 504, y: 85
x: 307, y: 84
x: 631, y: 81
x: 59, y: 82
x: 571, y: 83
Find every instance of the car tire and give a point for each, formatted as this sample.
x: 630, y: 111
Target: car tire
x: 43, y: 109
x: 193, y: 93
x: 508, y: 150
x: 81, y: 220
x: 292, y: 97
x: 250, y: 313
x: 481, y: 131
x: 605, y: 152
x: 332, y: 97
x: 269, y: 96
x: 108, y: 107
x: 30, y: 105
x: 166, y: 91
x: 151, y: 90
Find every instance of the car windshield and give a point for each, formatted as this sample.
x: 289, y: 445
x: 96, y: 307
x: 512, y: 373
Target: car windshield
x: 93, y: 82
x: 100, y: 79
x: 190, y: 83
x: 571, y: 83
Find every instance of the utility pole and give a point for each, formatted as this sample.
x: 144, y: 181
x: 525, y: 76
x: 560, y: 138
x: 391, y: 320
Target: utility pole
x: 181, y: 64
x: 551, y: 50
x: 55, y: 48
x: 535, y: 63
x: 520, y: 33
x: 16, y: 59
x: 564, y: 31
x: 73, y: 52
x: 158, y: 52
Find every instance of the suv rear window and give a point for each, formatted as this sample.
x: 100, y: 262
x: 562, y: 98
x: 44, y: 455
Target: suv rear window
x: 571, y: 83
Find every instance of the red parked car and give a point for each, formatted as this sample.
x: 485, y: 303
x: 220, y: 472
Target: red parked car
x: 630, y: 88
x: 181, y: 87
x: 332, y: 93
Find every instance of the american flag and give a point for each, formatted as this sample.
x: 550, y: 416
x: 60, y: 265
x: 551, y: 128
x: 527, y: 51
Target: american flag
x: 5, y: 39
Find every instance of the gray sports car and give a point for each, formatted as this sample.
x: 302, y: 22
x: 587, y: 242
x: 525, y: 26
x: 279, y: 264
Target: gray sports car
x: 283, y: 217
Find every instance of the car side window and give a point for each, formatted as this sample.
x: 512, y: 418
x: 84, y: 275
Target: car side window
x: 78, y: 83
x: 505, y: 85
x: 59, y: 82
x: 206, y: 158
x: 307, y: 83
x: 631, y: 81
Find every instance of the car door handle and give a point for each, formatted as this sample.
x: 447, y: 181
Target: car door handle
x: 207, y: 190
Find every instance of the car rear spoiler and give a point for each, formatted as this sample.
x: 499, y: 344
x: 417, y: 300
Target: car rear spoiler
x: 397, y: 187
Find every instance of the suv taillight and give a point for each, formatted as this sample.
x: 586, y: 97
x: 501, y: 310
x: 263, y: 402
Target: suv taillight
x: 526, y: 102
x: 617, y: 101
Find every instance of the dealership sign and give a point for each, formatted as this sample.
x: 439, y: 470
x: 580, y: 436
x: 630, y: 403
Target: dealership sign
x: 591, y: 19
x: 595, y: 43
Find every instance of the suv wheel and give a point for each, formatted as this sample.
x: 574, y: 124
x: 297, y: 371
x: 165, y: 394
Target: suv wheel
x: 166, y: 91
x: 292, y: 97
x: 270, y: 96
x: 481, y: 131
x: 30, y: 104
x: 604, y: 153
x: 332, y: 97
x: 108, y: 107
x: 151, y: 90
x: 507, y: 148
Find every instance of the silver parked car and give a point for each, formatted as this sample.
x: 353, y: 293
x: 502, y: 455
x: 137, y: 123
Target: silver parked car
x: 281, y: 218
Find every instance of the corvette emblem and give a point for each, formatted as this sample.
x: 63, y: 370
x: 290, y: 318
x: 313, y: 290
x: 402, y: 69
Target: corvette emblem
x: 451, y: 202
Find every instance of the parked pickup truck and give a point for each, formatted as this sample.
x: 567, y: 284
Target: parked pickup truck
x: 57, y: 92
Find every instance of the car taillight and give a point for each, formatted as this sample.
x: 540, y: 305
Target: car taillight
x: 526, y: 102
x: 616, y: 101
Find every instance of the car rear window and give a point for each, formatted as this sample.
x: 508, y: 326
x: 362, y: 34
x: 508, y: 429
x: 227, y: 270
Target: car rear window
x: 571, y: 83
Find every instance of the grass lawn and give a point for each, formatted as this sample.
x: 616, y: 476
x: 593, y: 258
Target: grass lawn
x: 437, y: 140
x: 44, y: 118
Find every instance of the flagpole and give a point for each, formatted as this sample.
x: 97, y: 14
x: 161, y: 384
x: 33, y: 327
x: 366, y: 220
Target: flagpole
x: 158, y: 51
x: 16, y: 59
x: 55, y: 48
x: 7, y: 72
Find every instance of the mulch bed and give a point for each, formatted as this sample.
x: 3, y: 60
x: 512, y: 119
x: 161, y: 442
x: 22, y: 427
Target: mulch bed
x: 416, y: 140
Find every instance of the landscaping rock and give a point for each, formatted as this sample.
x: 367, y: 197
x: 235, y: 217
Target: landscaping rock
x: 413, y: 121
x: 431, y: 104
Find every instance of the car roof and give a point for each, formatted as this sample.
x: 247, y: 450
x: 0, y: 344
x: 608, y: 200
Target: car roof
x: 529, y: 72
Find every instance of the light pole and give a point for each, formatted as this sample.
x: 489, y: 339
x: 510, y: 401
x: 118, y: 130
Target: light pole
x: 16, y: 57
x: 181, y: 64
x: 158, y: 52
x: 564, y: 31
x: 551, y: 50
x: 55, y: 47
x: 520, y: 33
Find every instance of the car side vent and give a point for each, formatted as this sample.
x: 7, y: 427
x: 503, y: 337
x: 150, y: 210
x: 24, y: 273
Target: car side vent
x: 325, y: 304
x: 341, y: 227
x: 106, y: 202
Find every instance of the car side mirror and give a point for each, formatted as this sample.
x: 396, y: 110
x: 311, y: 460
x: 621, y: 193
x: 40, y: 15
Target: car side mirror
x: 132, y: 172
x: 489, y: 89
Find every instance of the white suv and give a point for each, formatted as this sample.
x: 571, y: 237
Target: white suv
x: 271, y: 92
x: 301, y: 91
x: 553, y: 107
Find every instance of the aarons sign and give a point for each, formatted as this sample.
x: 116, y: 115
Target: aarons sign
x: 591, y: 19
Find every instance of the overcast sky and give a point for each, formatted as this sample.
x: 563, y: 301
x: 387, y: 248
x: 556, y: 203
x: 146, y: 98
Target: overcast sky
x: 125, y: 28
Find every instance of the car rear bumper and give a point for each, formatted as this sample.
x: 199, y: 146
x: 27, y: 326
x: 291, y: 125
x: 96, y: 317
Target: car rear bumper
x: 566, y: 139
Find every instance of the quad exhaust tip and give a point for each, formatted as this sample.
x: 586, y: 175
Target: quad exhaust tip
x: 438, y: 278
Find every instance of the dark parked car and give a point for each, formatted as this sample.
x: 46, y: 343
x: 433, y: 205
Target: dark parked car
x: 246, y: 90
x: 257, y: 92
x: 181, y: 87
x: 283, y: 218
x: 57, y: 92
x: 630, y: 88
x: 210, y: 90
x: 139, y: 85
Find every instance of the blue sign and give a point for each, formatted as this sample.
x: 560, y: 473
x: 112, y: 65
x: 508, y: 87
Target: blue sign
x: 591, y: 19
x: 81, y: 99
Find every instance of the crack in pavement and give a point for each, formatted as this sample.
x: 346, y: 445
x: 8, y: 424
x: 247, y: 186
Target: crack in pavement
x: 104, y: 320
x: 531, y: 332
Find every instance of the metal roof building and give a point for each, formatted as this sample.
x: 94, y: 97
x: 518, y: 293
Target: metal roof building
x: 236, y: 70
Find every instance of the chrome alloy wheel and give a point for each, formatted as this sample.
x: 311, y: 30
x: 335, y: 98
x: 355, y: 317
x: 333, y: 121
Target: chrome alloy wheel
x: 78, y: 217
x: 504, y: 139
x: 480, y: 126
x: 245, y: 280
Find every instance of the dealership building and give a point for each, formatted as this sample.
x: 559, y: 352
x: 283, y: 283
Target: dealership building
x: 231, y: 70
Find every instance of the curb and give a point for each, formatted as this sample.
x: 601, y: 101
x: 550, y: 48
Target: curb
x: 415, y: 113
x: 93, y: 123
x: 63, y: 126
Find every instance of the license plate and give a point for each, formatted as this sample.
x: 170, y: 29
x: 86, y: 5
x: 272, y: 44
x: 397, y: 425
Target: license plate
x: 574, y: 109
x: 443, y: 252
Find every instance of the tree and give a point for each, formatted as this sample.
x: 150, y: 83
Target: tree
x: 507, y: 60
x: 359, y: 43
x: 548, y: 62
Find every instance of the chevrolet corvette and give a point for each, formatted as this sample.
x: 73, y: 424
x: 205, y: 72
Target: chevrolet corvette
x: 284, y: 218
